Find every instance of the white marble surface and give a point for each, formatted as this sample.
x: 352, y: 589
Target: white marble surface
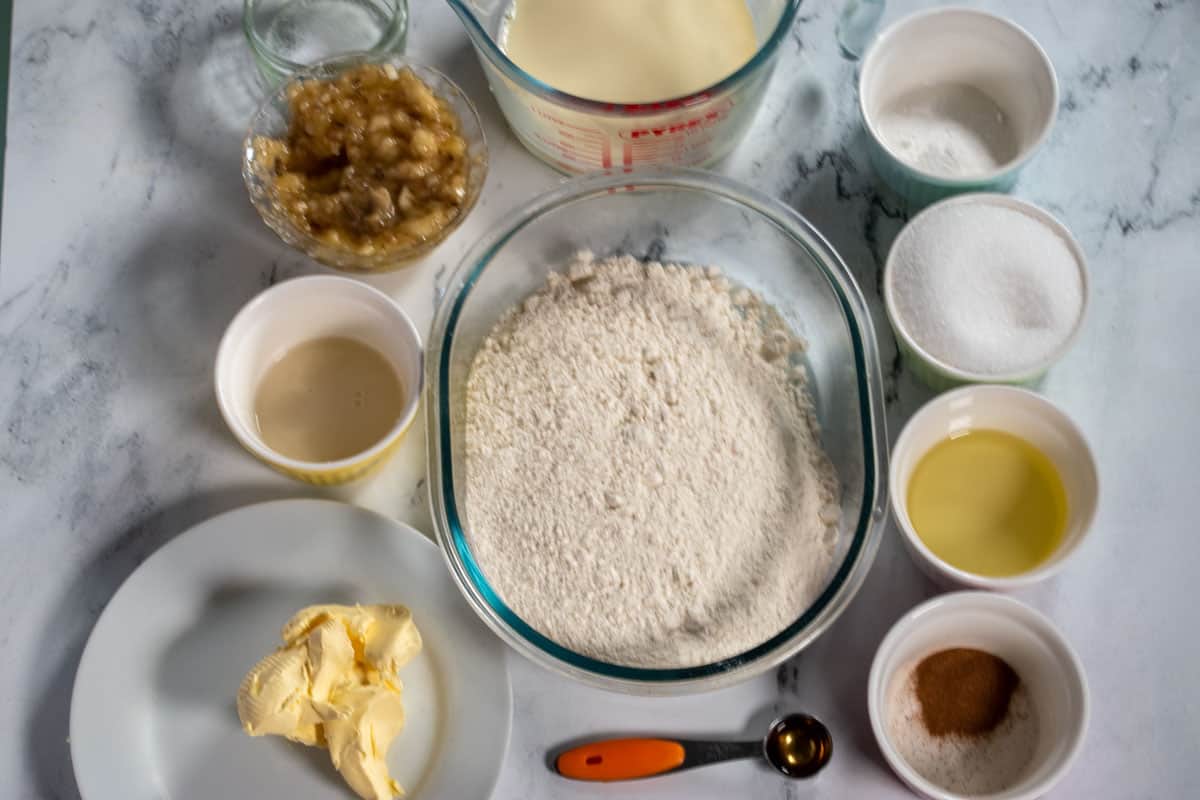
x: 128, y: 243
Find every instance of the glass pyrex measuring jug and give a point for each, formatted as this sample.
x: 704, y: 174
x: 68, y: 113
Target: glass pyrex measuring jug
x: 574, y: 134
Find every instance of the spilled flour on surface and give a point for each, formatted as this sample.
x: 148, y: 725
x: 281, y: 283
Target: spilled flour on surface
x: 644, y: 479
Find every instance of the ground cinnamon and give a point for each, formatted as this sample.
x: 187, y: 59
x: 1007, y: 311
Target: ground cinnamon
x: 964, y: 691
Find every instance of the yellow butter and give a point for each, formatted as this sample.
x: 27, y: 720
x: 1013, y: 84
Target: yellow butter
x: 334, y: 684
x: 360, y: 724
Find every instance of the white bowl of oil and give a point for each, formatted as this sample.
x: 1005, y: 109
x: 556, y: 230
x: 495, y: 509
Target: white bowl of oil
x: 992, y: 487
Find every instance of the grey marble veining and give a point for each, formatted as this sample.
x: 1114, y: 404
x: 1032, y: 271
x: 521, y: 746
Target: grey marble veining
x: 128, y: 244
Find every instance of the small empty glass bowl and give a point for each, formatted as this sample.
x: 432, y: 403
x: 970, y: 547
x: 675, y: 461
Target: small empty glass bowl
x: 688, y: 217
x: 271, y: 120
x: 286, y: 36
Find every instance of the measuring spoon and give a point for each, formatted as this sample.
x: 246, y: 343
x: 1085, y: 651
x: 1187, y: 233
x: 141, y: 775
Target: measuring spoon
x: 797, y: 745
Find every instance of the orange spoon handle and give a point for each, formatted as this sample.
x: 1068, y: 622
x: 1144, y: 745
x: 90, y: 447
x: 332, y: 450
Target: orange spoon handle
x: 620, y: 759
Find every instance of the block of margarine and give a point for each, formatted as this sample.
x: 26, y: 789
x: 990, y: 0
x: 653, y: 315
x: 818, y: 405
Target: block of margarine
x: 334, y: 684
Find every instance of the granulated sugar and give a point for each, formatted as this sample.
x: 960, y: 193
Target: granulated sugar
x: 954, y: 130
x: 969, y: 765
x: 985, y: 288
x: 644, y: 481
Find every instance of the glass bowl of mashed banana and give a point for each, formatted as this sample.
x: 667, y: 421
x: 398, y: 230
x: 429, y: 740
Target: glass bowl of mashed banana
x: 365, y: 162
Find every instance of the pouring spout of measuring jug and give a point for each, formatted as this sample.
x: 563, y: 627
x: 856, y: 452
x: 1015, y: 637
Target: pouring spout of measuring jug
x: 477, y: 17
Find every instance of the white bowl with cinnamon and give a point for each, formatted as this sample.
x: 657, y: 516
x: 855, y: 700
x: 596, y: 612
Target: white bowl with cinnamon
x: 976, y: 694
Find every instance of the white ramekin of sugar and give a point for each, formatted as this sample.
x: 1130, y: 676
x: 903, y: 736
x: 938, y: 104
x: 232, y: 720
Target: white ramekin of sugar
x: 1055, y: 694
x: 954, y: 100
x: 984, y: 288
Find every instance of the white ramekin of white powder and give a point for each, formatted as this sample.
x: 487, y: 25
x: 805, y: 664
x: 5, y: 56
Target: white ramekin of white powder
x: 1042, y: 733
x: 984, y: 288
x: 954, y: 100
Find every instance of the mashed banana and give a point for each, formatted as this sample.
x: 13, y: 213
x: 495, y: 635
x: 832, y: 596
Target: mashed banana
x: 373, y: 160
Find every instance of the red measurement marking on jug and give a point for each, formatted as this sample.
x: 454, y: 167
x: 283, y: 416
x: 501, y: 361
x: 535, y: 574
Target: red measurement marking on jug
x: 685, y: 126
x: 640, y: 109
x: 577, y: 144
x: 591, y: 151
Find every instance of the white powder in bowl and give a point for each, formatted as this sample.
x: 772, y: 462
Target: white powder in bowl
x: 644, y: 481
x: 951, y: 130
x: 964, y: 765
x: 985, y: 288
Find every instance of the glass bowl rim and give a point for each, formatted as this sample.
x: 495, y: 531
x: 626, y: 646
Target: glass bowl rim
x: 397, y: 28
x: 849, y: 574
x: 304, y: 242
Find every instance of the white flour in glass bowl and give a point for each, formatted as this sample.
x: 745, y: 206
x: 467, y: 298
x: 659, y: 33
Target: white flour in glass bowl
x: 644, y: 479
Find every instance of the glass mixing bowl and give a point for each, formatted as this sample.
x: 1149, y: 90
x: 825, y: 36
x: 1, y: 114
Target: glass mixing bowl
x: 271, y: 121
x: 688, y: 217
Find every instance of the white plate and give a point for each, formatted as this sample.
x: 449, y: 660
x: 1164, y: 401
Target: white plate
x: 153, y: 713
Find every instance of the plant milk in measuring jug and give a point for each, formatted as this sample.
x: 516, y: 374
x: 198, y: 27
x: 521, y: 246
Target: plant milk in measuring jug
x: 630, y: 51
x: 645, y: 65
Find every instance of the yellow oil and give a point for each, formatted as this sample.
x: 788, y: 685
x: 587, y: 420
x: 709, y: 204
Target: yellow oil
x: 988, y: 502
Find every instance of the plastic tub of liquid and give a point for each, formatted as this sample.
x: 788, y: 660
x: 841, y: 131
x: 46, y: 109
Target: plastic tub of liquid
x: 574, y: 134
